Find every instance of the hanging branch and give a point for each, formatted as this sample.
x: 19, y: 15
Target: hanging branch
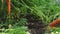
x: 8, y: 5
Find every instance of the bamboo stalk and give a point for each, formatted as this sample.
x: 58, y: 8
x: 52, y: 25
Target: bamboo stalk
x: 8, y: 6
x: 2, y: 4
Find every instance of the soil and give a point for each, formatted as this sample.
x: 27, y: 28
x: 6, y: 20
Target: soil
x: 35, y: 25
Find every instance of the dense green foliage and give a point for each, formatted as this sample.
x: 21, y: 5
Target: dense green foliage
x: 46, y: 10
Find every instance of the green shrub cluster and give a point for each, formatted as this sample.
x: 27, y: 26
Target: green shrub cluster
x: 46, y: 10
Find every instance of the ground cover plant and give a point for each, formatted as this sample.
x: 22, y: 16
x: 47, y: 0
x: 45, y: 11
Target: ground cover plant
x: 33, y: 15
